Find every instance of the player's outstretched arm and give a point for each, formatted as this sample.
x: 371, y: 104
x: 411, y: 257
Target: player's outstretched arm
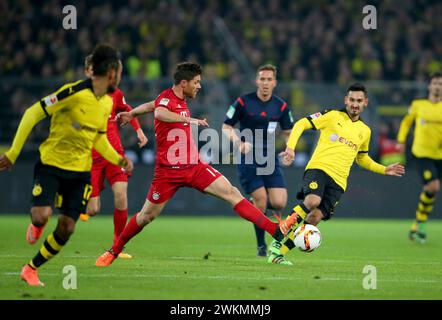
x: 163, y: 114
x: 31, y: 117
x: 395, y: 169
x: 364, y: 160
x: 288, y: 156
x: 127, y: 116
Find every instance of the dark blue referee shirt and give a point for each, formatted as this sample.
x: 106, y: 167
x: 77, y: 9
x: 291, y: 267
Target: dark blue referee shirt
x: 253, y: 113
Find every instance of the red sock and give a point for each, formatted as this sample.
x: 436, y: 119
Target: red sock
x: 249, y: 212
x: 120, y: 218
x: 130, y: 231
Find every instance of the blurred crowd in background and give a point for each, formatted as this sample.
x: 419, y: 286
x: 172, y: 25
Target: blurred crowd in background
x: 310, y: 41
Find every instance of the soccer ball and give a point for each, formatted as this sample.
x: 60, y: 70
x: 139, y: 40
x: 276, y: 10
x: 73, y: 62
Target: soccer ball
x: 307, y: 238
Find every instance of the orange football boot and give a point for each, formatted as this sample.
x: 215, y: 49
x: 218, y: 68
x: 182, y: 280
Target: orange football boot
x: 30, y: 276
x: 105, y: 259
x: 286, y: 225
x: 84, y: 217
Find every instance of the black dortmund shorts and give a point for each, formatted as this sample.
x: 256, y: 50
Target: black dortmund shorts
x: 429, y: 169
x: 321, y: 184
x: 68, y: 191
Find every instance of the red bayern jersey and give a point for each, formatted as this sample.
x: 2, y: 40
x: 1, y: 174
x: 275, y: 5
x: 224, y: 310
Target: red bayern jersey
x: 113, y: 134
x: 174, y: 142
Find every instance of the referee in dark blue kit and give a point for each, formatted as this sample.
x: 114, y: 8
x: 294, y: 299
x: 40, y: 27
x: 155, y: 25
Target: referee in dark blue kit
x: 260, y: 111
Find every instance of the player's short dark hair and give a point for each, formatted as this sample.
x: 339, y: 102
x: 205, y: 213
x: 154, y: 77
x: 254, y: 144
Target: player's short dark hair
x: 435, y: 75
x: 357, y: 87
x: 104, y: 58
x: 269, y: 67
x: 186, y: 71
x: 88, y: 61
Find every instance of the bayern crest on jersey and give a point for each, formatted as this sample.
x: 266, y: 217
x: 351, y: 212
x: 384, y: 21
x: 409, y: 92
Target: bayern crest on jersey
x: 155, y: 195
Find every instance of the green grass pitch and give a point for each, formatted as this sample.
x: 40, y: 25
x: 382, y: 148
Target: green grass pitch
x: 215, y: 258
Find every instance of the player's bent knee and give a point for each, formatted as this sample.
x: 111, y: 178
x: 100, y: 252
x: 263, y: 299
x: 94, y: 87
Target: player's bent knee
x: 120, y: 196
x: 93, y: 206
x: 92, y: 211
x: 433, y: 186
x: 312, y: 204
x: 313, y: 218
x: 39, y: 221
x: 40, y: 215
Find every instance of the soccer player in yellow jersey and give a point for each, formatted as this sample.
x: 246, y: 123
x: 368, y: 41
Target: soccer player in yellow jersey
x: 344, y: 138
x: 79, y: 112
x: 426, y: 114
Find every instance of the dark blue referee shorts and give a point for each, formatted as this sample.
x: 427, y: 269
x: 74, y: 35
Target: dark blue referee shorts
x: 251, y: 181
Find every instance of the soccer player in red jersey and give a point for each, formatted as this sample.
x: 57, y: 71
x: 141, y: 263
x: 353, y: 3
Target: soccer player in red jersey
x: 101, y: 168
x: 178, y: 163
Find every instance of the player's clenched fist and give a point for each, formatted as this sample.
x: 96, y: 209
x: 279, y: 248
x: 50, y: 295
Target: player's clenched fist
x: 288, y: 156
x: 124, y: 117
x: 5, y: 163
x: 126, y: 164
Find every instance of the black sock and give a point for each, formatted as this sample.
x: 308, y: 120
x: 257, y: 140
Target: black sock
x: 260, y: 236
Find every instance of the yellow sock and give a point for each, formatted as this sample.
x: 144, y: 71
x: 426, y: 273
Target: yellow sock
x: 302, y: 212
x: 425, y: 206
x: 52, y: 245
x: 288, y: 243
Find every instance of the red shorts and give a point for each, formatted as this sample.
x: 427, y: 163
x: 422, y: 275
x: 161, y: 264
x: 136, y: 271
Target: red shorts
x: 101, y: 168
x: 167, y: 181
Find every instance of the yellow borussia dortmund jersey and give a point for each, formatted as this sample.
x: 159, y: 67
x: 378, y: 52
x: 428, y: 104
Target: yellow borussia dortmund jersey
x: 78, y: 122
x: 427, y: 117
x: 74, y: 128
x: 339, y: 143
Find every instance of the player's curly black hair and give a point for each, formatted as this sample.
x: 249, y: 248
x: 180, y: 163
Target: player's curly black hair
x: 357, y: 87
x: 104, y: 58
x: 435, y: 75
x: 186, y: 71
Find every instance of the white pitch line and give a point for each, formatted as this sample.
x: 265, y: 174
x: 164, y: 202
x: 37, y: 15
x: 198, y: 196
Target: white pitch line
x: 187, y: 276
x: 316, y: 261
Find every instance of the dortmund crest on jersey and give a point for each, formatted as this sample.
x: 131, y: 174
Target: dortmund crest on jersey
x: 313, y: 185
x: 427, y: 174
x: 37, y: 190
